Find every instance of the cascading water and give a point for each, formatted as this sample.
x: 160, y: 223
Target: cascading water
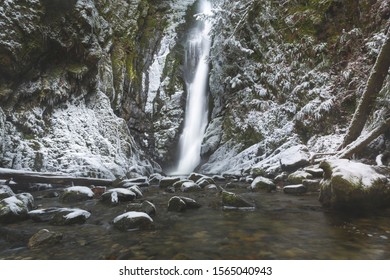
x: 196, y: 71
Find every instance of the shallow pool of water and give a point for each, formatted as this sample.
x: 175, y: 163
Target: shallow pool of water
x: 281, y: 227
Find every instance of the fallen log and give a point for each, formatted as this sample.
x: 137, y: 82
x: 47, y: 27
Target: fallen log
x: 25, y: 178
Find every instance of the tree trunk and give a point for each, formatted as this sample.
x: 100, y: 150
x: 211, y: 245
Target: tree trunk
x: 360, y: 144
x: 24, y: 178
x: 367, y: 101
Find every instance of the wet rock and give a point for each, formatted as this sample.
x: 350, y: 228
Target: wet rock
x: 146, y: 207
x: 190, y: 203
x: 294, y: 158
x: 316, y: 172
x: 298, y: 176
x: 117, y: 195
x: 257, y: 171
x: 98, y: 191
x: 204, y: 181
x: 195, y: 176
x: 176, y: 204
x: 212, y: 188
x: 15, y: 208
x: 190, y: 187
x: 312, y: 185
x: 44, y: 238
x: 234, y: 201
x: 181, y: 203
x: 262, y: 183
x: 295, y: 189
x: 69, y: 216
x: 281, y: 177
x: 51, y: 194
x: 155, y: 178
x: 76, y: 193
x: 5, y: 191
x: 137, y: 191
x: 353, y: 185
x: 133, y: 220
x: 178, y: 184
x: 219, y: 178
x: 43, y: 215
x: 168, y: 182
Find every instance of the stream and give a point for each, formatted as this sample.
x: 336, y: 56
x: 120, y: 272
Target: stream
x: 281, y: 227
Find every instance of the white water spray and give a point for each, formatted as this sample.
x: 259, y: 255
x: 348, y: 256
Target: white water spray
x: 196, y: 70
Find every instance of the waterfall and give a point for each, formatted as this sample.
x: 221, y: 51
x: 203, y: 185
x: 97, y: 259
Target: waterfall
x: 196, y: 70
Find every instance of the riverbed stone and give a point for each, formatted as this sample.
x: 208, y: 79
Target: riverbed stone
x: 137, y: 191
x: 176, y: 204
x: 195, y: 176
x: 69, y: 216
x: 231, y: 200
x: 177, y: 185
x: 312, y: 185
x: 295, y: 189
x: 146, y: 207
x: 190, y: 203
x: 15, y: 208
x: 190, y: 187
x: 294, y: 158
x: 317, y: 172
x: 43, y: 215
x: 76, y: 194
x: 354, y: 185
x: 168, y: 181
x: 117, y: 195
x: 44, y: 238
x: 218, y: 178
x: 5, y: 191
x: 204, y: 181
x: 133, y: 220
x: 298, y: 176
x: 262, y: 183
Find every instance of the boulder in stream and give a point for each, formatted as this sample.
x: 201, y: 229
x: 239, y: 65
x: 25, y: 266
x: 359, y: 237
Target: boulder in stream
x: 44, y: 238
x: 5, y: 191
x: 117, y: 195
x: 231, y: 200
x: 15, y: 208
x: 353, y: 185
x: 262, y: 183
x: 133, y: 220
x: 77, y: 193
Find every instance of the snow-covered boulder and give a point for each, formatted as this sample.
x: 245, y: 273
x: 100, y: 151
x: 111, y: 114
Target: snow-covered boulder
x: 294, y: 158
x: 116, y: 195
x: 77, y: 193
x: 133, y: 220
x: 15, y: 208
x: 205, y: 181
x: 69, y: 216
x: 353, y: 185
x: 5, y: 191
x: 44, y: 215
x: 137, y: 191
x: 298, y: 176
x: 190, y: 187
x: 262, y: 183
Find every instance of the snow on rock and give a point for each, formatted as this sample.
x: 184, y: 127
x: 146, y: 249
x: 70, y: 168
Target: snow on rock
x: 349, y: 184
x: 133, y: 220
x: 15, y: 208
x: 262, y: 183
x: 5, y: 191
x: 69, y: 216
x: 77, y: 193
x: 116, y: 195
x: 294, y: 158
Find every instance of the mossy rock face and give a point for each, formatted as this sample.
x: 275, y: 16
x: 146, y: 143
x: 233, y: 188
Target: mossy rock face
x: 353, y: 185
